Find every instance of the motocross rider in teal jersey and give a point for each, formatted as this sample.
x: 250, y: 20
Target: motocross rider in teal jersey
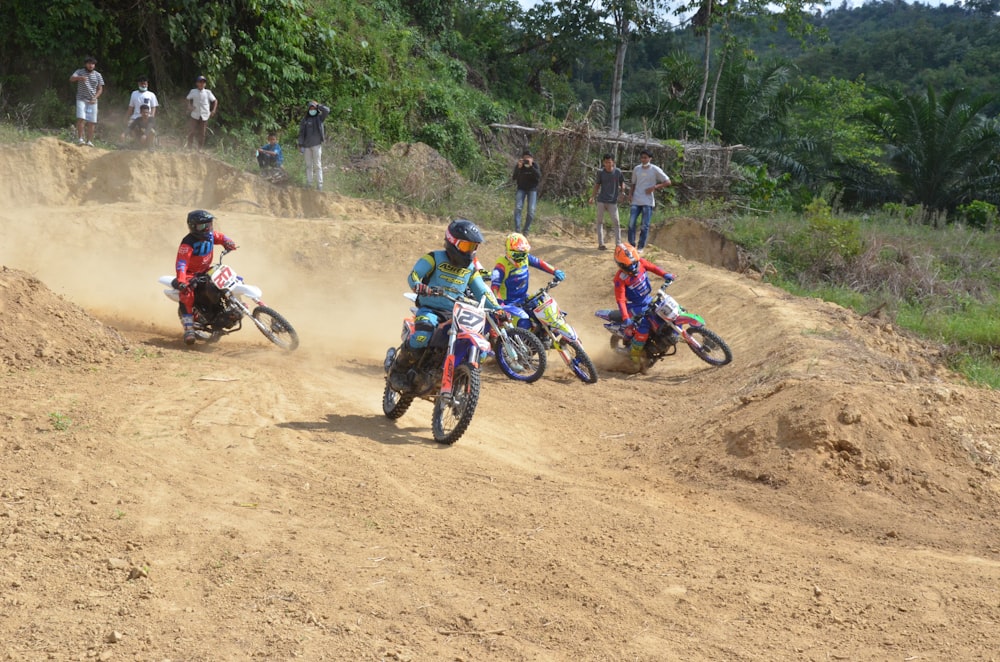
x: 451, y: 271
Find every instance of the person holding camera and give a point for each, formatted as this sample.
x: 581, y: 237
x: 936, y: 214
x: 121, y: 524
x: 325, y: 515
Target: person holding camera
x: 312, y: 134
x: 527, y: 175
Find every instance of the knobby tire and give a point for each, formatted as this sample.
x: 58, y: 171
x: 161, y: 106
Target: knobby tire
x: 452, y: 418
x: 530, y: 353
x: 278, y: 330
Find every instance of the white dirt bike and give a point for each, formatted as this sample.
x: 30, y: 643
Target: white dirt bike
x: 219, y: 307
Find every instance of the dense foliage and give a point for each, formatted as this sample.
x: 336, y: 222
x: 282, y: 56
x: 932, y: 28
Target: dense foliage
x: 887, y: 102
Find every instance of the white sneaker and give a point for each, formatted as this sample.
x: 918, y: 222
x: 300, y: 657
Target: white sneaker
x: 90, y: 144
x: 79, y: 141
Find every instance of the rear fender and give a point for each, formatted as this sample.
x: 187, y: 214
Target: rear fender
x: 170, y: 292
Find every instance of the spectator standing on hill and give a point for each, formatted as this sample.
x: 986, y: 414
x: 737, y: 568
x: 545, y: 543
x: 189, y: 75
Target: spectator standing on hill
x: 202, y: 105
x: 89, y: 87
x: 527, y: 175
x: 312, y: 134
x: 608, y: 186
x: 646, y: 180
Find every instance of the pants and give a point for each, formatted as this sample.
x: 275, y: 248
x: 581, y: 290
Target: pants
x: 611, y: 208
x: 196, y: 132
x: 314, y: 165
x: 426, y: 321
x: 519, y: 198
x: 267, y: 161
x: 647, y: 216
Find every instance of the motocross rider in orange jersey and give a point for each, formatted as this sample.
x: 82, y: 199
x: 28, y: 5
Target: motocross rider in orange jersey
x: 633, y: 293
x: 194, y: 257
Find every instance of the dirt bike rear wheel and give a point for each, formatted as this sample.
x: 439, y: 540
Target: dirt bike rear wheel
x: 275, y: 328
x: 453, y: 415
x: 578, y: 360
x: 530, y: 359
x: 713, y: 350
x: 395, y: 404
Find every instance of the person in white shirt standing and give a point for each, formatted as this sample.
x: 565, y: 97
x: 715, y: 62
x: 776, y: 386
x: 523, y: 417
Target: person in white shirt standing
x: 89, y: 87
x: 203, y: 105
x: 141, y: 96
x: 646, y: 180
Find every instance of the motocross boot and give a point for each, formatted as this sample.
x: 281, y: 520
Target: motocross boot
x: 399, y: 376
x: 187, y: 321
x: 639, y: 357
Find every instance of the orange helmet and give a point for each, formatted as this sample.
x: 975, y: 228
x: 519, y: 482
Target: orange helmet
x: 517, y: 248
x: 627, y: 258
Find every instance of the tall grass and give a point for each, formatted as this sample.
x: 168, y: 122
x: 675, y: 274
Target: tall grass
x: 940, y: 281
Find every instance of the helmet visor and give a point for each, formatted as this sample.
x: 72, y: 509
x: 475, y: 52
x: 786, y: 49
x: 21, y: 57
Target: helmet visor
x: 466, y: 246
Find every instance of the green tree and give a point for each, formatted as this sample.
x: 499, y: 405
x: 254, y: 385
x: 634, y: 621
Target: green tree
x: 941, y: 150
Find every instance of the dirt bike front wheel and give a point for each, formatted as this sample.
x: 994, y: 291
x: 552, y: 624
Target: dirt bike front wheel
x: 522, y: 356
x: 275, y: 328
x: 578, y: 360
x: 709, y: 347
x: 453, y: 413
x: 395, y: 404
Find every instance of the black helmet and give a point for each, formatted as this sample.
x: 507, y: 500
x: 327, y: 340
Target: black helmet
x: 200, y: 222
x: 461, y: 240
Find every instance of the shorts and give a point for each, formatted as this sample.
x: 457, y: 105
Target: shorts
x: 86, y: 111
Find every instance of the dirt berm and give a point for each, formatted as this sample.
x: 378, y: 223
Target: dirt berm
x: 830, y: 495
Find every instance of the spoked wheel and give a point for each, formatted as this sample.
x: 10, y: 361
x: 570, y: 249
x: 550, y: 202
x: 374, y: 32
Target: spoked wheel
x: 453, y: 414
x: 709, y: 347
x: 275, y: 328
x: 522, y: 356
x: 395, y: 404
x: 578, y: 360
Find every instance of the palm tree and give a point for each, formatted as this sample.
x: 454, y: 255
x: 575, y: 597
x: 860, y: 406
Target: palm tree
x: 943, y: 150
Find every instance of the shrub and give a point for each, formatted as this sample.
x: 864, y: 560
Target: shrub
x: 980, y: 215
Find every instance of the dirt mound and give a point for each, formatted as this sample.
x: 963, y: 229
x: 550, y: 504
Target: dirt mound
x: 831, y: 494
x: 40, y: 327
x: 53, y: 172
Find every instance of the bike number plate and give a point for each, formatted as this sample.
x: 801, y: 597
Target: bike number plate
x: 668, y: 309
x: 223, y: 277
x: 548, y: 310
x: 470, y: 317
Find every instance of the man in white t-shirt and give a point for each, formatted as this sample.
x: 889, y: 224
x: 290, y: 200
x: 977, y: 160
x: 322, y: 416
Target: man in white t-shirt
x: 646, y: 180
x: 203, y: 105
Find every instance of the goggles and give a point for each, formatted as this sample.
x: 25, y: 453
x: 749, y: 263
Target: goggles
x: 465, y: 246
x: 519, y: 256
x: 202, y: 227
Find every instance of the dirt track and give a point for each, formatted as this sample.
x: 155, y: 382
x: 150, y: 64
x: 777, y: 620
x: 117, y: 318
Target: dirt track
x: 832, y: 494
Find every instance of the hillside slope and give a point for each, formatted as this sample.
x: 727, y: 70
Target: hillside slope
x: 832, y: 494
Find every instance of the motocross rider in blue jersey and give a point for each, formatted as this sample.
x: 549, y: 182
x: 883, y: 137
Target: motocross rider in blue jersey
x: 451, y: 271
x: 509, y: 280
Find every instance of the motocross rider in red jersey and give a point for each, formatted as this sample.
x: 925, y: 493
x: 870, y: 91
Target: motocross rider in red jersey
x: 633, y: 293
x: 194, y: 257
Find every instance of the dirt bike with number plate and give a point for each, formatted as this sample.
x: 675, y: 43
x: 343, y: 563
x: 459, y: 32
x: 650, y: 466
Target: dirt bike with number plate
x: 222, y: 300
x: 447, y: 371
x: 547, y: 321
x: 670, y: 324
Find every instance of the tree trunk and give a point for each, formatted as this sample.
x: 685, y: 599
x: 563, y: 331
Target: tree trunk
x: 707, y: 69
x: 616, y: 82
x: 710, y: 124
